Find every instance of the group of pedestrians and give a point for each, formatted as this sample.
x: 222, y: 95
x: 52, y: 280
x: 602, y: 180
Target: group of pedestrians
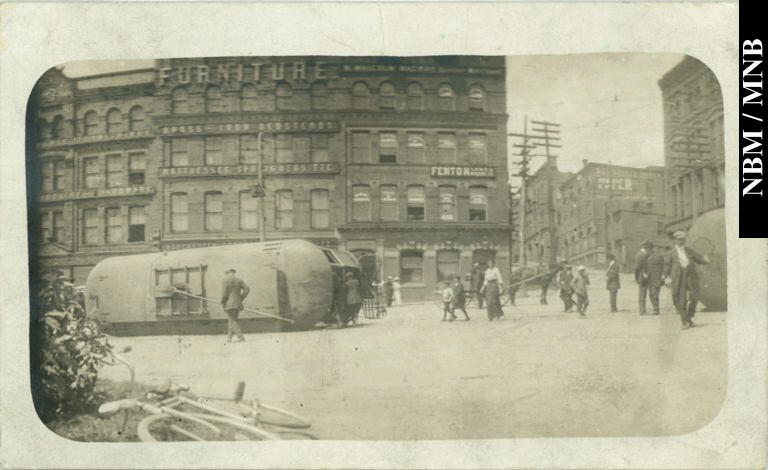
x: 486, y: 285
x: 654, y: 268
x: 571, y: 284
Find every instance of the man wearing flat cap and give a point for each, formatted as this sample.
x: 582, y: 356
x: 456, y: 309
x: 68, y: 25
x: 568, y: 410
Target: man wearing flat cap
x: 641, y: 274
x: 684, y: 282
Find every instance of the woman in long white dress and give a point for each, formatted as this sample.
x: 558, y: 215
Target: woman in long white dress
x: 492, y: 288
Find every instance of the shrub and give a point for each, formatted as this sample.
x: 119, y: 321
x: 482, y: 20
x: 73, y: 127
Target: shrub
x: 68, y: 349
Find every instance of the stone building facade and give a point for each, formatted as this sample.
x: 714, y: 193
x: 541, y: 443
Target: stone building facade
x: 400, y: 160
x: 694, y: 152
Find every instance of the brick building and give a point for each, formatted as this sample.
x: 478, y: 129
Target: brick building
x: 693, y: 141
x: 631, y: 199
x: 541, y: 213
x: 402, y: 159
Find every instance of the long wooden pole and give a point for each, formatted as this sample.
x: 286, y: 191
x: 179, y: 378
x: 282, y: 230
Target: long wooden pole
x: 177, y: 291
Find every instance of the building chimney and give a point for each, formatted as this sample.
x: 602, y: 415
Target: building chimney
x: 584, y: 162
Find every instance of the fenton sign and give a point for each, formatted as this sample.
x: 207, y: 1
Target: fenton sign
x: 241, y: 72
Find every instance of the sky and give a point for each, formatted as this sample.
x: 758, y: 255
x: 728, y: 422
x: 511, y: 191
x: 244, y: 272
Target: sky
x: 608, y: 105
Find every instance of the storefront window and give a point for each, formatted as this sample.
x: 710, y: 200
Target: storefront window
x: 447, y: 265
x: 411, y: 267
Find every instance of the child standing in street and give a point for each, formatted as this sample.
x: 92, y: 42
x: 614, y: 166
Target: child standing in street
x: 459, y: 297
x: 447, y: 298
x: 579, y: 283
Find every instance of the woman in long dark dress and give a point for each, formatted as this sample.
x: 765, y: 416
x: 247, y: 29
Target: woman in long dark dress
x: 492, y: 288
x: 352, y: 287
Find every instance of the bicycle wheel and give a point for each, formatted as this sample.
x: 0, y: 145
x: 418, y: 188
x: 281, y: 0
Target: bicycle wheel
x: 167, y: 428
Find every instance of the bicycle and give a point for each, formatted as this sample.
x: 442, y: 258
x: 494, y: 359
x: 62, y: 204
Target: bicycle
x: 176, y: 415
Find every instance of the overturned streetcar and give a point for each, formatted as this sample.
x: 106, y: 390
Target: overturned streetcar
x: 292, y: 286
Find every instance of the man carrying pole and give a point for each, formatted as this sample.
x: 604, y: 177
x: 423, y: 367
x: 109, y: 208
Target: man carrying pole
x: 234, y: 291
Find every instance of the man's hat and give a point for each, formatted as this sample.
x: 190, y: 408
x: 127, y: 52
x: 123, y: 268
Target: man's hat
x: 230, y: 270
x: 679, y: 234
x: 647, y: 243
x: 582, y: 268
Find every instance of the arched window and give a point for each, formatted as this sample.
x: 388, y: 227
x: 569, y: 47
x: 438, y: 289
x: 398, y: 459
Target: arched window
x: 214, y: 211
x: 284, y: 96
x: 57, y: 127
x: 361, y: 96
x: 214, y: 102
x: 415, y: 97
x: 320, y: 96
x: 114, y: 121
x: 476, y: 98
x: 90, y: 123
x: 387, y: 96
x: 136, y: 119
x: 446, y: 97
x: 249, y: 97
x: 179, y: 101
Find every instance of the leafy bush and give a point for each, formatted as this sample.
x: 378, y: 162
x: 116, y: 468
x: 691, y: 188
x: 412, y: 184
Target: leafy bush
x: 68, y: 349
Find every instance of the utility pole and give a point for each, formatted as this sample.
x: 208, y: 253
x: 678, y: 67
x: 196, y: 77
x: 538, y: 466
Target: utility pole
x: 547, y: 135
x: 525, y: 158
x: 259, y: 191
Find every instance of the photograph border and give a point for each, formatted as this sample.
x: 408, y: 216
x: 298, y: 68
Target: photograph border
x: 37, y: 36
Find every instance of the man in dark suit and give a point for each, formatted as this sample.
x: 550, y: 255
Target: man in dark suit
x: 612, y: 282
x: 233, y: 292
x: 478, y: 278
x: 683, y: 278
x: 655, y: 270
x: 641, y: 275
